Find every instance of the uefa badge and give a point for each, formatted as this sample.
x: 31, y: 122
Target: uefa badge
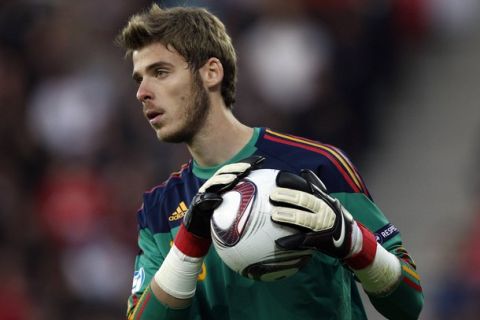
x: 138, y: 278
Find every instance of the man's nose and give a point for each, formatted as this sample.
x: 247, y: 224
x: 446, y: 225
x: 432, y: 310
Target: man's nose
x: 144, y: 93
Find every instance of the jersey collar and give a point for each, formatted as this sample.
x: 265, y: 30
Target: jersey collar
x: 247, y: 150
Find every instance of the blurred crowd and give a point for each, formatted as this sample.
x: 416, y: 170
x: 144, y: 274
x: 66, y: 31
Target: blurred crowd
x: 458, y: 294
x: 76, y: 154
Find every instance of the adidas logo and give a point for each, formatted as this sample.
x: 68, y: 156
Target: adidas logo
x: 179, y: 212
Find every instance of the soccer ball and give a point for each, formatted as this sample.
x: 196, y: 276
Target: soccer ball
x: 244, y: 235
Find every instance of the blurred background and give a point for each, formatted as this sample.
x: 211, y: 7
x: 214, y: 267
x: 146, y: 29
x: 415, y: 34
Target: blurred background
x: 392, y: 82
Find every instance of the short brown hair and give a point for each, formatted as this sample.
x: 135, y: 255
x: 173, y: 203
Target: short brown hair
x: 195, y: 33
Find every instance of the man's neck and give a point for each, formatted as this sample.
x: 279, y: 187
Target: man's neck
x: 219, y: 140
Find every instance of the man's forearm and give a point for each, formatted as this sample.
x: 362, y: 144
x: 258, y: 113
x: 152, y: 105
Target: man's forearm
x: 150, y: 307
x: 167, y: 299
x: 177, y: 277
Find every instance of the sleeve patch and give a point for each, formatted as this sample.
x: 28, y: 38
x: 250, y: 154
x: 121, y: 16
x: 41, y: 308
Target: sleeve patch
x: 386, y: 233
x: 138, y: 279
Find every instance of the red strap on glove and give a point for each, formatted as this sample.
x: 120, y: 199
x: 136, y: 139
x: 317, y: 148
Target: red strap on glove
x: 190, y: 244
x: 366, y: 255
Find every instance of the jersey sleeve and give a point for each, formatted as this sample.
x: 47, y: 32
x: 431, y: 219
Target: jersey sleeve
x: 142, y: 303
x: 345, y: 183
x: 406, y: 300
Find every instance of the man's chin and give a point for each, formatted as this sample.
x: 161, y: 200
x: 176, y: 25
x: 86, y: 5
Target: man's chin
x: 174, y: 137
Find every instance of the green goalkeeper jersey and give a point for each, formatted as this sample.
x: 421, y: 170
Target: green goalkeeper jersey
x: 322, y: 289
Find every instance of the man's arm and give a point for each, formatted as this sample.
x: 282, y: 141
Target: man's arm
x: 303, y: 201
x: 405, y: 301
x: 168, y: 299
x: 173, y: 286
x: 143, y: 303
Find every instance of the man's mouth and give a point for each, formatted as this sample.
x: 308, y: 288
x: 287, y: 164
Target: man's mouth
x: 153, y: 116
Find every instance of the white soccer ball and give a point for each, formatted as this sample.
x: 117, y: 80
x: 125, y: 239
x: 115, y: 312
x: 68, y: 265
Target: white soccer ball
x: 244, y: 235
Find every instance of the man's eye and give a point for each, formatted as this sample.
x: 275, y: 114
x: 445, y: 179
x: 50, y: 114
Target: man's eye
x: 160, y: 73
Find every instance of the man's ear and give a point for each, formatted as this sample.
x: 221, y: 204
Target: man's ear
x: 212, y: 73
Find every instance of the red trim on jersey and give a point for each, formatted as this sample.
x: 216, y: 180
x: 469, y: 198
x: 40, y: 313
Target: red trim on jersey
x: 175, y: 174
x: 408, y: 260
x: 190, y: 244
x: 354, y: 169
x: 138, y: 314
x: 345, y: 175
x: 412, y: 284
x: 134, y: 300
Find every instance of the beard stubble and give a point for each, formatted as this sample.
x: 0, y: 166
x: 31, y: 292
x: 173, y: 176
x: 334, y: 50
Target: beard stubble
x: 195, y: 115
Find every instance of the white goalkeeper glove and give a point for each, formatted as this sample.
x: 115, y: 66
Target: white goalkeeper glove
x: 302, y: 201
x: 178, y: 273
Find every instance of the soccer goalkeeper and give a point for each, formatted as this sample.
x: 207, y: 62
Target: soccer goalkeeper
x: 185, y: 67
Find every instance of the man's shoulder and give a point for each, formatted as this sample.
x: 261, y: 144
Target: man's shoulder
x: 174, y: 179
x: 302, y: 150
x: 331, y: 163
x: 165, y: 204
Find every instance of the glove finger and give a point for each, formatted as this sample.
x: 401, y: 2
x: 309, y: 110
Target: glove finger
x: 291, y: 180
x: 313, y: 179
x: 255, y: 161
x: 297, y: 198
x: 217, y: 182
x: 293, y: 242
x: 317, y: 187
x: 234, y: 168
x: 300, y: 218
x: 241, y: 166
x: 210, y: 201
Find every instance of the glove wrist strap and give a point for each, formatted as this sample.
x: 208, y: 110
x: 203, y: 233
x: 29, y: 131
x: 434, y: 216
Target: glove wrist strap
x: 366, y: 254
x: 375, y: 267
x: 191, y: 245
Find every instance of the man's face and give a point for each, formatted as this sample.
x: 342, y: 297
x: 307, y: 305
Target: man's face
x: 174, y: 100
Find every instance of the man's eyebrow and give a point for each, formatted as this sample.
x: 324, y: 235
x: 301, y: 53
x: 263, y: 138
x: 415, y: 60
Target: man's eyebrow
x: 151, y: 67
